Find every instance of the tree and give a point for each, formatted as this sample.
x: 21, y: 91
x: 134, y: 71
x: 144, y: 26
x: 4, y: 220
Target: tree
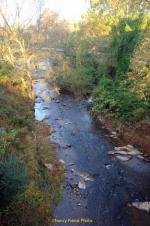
x: 125, y: 8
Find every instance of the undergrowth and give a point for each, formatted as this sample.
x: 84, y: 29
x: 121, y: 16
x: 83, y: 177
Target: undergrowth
x: 104, y: 69
x: 28, y: 189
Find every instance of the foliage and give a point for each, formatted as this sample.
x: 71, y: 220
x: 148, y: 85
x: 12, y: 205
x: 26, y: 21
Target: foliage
x: 31, y: 208
x: 110, y: 97
x: 80, y: 81
x: 6, y: 139
x: 125, y: 38
x: 25, y: 202
x: 5, y: 69
x: 13, y: 179
x: 105, y: 42
x: 50, y: 31
x: 123, y: 8
x: 139, y: 73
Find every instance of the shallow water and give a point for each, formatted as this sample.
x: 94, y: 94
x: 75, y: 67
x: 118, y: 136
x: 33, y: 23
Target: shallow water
x: 96, y: 187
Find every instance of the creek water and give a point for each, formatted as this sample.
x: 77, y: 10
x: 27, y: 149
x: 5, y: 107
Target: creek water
x: 97, y: 188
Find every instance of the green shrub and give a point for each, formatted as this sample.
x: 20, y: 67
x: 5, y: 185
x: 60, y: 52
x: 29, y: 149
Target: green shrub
x: 5, y: 68
x: 79, y: 81
x: 13, y: 179
x: 6, y: 139
x: 80, y: 68
x: 109, y: 96
x: 125, y: 37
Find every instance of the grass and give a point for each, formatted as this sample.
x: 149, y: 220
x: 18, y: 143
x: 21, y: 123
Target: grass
x: 28, y: 141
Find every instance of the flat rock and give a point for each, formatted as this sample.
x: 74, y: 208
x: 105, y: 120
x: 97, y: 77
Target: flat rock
x: 111, y: 152
x: 145, y: 206
x: 85, y: 176
x: 113, y: 136
x: 81, y: 184
x: 123, y: 157
x: 122, y: 152
x: 129, y: 149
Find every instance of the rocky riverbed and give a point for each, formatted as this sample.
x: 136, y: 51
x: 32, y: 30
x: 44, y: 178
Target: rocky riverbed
x: 99, y: 187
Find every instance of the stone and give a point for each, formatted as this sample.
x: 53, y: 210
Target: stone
x: 49, y: 166
x: 81, y: 184
x: 85, y: 176
x: 122, y: 152
x: 108, y: 166
x: 123, y: 157
x: 145, y: 206
x: 111, y: 152
x: 129, y: 149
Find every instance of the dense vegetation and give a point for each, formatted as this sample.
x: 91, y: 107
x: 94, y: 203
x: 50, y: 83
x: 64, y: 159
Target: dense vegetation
x: 98, y: 58
x: 28, y: 190
x: 106, y: 56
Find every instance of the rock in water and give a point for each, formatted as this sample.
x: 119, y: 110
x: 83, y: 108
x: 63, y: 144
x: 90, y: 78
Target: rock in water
x: 82, y: 185
x: 123, y: 157
x: 141, y: 206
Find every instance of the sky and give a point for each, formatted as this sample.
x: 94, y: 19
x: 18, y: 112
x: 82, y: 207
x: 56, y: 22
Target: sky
x: 68, y: 9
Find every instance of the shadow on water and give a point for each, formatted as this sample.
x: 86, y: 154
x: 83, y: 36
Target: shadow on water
x: 96, y: 188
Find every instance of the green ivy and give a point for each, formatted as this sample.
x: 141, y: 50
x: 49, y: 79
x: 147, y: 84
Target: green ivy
x: 125, y: 37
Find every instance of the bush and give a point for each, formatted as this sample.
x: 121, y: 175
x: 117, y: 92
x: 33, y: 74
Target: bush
x: 79, y: 81
x: 109, y: 96
x: 124, y: 39
x: 5, y: 68
x: 6, y: 139
x: 13, y: 179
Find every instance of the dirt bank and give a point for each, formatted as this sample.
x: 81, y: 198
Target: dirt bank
x: 137, y: 135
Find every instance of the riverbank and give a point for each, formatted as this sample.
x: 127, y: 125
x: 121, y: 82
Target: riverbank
x: 92, y: 176
x: 121, y: 134
x: 27, y: 141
